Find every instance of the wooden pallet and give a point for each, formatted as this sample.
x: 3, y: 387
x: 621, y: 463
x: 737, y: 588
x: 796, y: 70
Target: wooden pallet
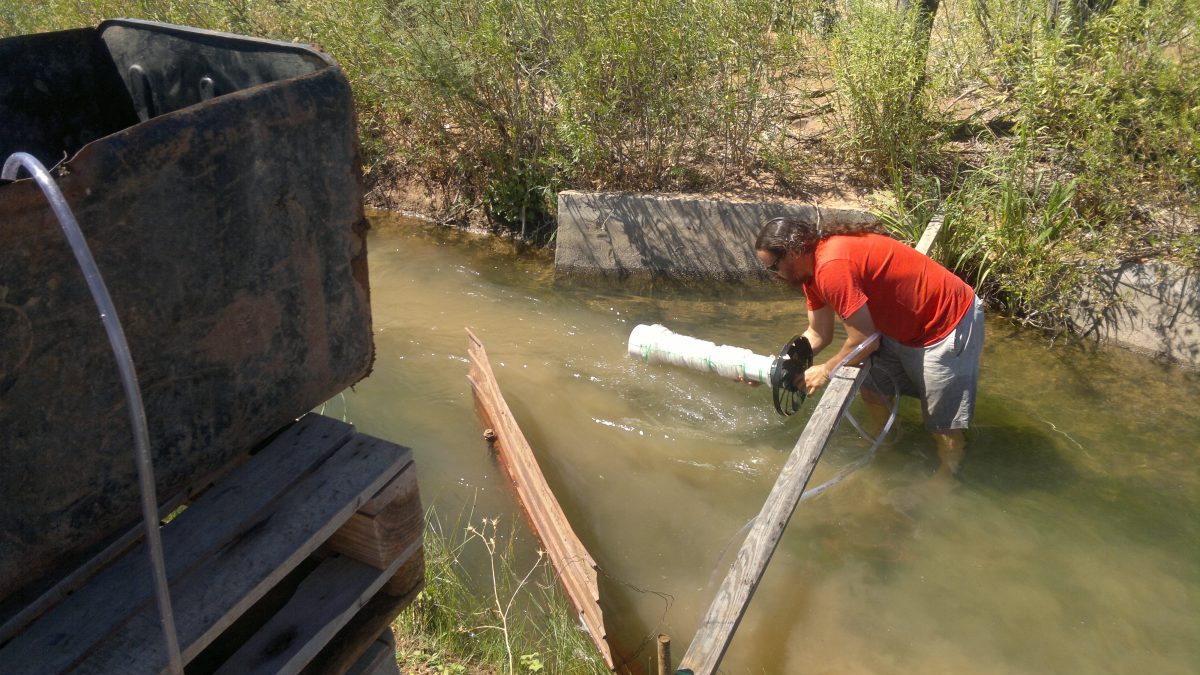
x: 271, y: 569
x: 378, y: 659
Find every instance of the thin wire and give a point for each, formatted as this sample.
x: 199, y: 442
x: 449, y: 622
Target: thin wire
x: 667, y: 599
x: 133, y: 392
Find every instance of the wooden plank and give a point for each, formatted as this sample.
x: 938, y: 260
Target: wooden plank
x: 375, y: 617
x: 323, y: 604
x: 399, y: 488
x: 211, y: 596
x: 931, y: 231
x: 410, y: 576
x: 379, y: 659
x: 727, y: 608
x: 67, y: 632
x: 381, y: 530
x: 575, y: 566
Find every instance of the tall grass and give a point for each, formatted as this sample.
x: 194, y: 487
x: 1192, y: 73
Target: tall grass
x: 883, y: 112
x: 1008, y: 231
x: 507, y: 616
x: 1119, y: 102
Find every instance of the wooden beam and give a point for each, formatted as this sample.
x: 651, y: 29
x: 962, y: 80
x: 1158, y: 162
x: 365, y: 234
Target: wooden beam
x: 375, y: 617
x: 727, y: 608
x: 410, y: 576
x: 385, y: 526
x: 664, y: 654
x: 931, y: 231
x: 575, y: 566
x: 379, y: 659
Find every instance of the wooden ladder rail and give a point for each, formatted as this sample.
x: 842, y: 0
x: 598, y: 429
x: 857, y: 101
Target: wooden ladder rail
x: 725, y: 613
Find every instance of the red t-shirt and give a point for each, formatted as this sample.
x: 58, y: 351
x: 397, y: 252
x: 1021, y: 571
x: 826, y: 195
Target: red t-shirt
x: 912, y: 299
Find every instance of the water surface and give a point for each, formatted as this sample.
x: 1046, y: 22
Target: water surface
x: 1071, y: 546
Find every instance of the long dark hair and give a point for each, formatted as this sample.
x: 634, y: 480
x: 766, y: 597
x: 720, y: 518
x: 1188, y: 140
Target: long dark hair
x: 801, y: 235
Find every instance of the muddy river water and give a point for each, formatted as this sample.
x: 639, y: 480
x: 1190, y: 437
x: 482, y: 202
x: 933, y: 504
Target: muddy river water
x: 1072, y: 544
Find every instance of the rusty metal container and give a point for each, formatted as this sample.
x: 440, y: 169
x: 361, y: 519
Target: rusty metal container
x: 216, y: 178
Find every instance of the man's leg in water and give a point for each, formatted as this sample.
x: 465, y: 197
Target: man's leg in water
x: 879, y: 407
x: 951, y: 448
x: 885, y: 374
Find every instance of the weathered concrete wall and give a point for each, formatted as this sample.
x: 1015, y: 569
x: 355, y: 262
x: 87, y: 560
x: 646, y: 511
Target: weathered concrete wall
x: 1153, y: 308
x: 623, y: 234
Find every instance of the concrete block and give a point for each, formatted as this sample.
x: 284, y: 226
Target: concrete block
x: 629, y: 234
x: 1153, y: 308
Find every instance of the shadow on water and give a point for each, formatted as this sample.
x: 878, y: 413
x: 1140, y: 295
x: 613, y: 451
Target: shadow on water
x: 1006, y: 455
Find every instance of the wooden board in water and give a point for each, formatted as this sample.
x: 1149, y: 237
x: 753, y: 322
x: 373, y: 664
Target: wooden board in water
x: 575, y: 566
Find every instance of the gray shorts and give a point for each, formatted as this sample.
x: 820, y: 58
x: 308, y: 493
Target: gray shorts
x: 943, y: 375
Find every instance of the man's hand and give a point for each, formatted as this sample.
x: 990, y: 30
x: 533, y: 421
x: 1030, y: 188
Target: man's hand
x: 815, y: 378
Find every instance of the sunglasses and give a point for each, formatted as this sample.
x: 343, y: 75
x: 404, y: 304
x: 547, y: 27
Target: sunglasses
x: 774, y: 266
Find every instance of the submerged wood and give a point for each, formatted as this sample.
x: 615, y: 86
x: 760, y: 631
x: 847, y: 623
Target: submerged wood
x: 729, y: 605
x: 575, y: 566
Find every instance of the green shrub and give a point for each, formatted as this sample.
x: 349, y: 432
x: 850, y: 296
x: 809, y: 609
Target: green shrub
x: 1116, y: 105
x: 1008, y: 231
x: 502, y: 103
x: 473, y: 83
x: 525, y: 97
x: 882, y: 110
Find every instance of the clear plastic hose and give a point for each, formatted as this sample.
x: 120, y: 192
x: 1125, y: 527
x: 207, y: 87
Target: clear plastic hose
x: 871, y: 339
x: 875, y: 443
x: 133, y: 393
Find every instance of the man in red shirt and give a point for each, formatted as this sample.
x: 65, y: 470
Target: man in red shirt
x: 930, y: 321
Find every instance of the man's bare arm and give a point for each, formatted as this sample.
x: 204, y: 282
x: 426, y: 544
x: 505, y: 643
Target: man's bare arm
x: 859, y: 327
x: 820, y: 328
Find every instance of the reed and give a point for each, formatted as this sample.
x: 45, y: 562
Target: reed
x: 486, y: 606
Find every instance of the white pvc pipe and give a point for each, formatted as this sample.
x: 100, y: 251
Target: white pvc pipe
x: 657, y: 344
